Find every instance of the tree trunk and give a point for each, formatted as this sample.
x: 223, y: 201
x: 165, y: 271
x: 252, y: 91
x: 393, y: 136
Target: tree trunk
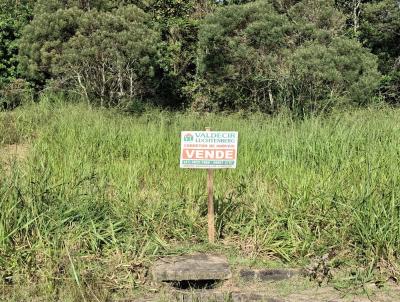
x: 103, y: 84
x: 271, y: 98
x: 356, y: 15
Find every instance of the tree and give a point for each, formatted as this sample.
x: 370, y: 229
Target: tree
x: 380, y: 31
x: 178, y: 22
x: 112, y: 56
x: 13, y: 17
x: 321, y: 14
x: 251, y: 56
x: 108, y: 57
x: 352, y: 9
x: 338, y: 72
x: 239, y: 57
x: 50, y: 6
x: 41, y: 44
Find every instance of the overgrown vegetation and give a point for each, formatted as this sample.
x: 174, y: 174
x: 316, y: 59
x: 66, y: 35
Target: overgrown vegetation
x: 306, y: 56
x: 90, y: 193
x: 14, y: 15
x: 106, y: 57
x: 99, y: 188
x: 251, y: 56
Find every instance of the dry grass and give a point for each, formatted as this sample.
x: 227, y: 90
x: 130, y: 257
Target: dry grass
x: 10, y: 155
x: 14, y: 152
x: 100, y: 195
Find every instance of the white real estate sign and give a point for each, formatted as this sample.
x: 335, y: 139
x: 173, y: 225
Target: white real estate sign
x: 208, y: 149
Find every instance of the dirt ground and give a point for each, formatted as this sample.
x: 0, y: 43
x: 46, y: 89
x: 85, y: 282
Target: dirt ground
x: 14, y: 151
x: 389, y: 293
x: 295, y: 290
x: 301, y: 289
x: 9, y: 154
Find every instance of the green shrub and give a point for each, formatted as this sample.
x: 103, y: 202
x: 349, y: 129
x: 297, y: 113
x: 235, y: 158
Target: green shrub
x: 323, y: 75
x: 15, y: 93
x: 251, y: 56
x: 390, y: 87
x: 14, y: 15
x: 105, y: 56
x: 379, y: 31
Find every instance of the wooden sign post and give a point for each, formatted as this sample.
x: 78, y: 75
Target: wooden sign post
x: 210, y: 190
x: 209, y: 150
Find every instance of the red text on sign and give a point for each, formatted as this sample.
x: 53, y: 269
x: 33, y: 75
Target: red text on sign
x: 214, y: 154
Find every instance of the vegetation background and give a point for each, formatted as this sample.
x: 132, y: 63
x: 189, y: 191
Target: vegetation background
x: 305, y: 56
x: 94, y: 94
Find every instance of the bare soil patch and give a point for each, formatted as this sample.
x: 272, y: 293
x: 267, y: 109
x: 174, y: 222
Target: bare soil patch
x: 390, y: 293
x: 285, y: 291
x: 10, y: 154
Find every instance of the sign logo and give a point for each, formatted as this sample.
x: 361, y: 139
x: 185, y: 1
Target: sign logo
x: 188, y: 137
x: 208, y: 149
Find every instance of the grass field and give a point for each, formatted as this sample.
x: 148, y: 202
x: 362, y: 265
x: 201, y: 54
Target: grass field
x: 96, y: 195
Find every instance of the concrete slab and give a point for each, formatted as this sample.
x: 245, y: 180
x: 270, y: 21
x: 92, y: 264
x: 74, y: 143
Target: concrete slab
x: 202, y: 296
x: 267, y: 274
x: 253, y: 297
x: 191, y: 267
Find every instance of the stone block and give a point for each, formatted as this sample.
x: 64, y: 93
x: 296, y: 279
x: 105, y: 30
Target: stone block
x: 253, y: 297
x: 191, y: 267
x: 202, y: 296
x: 267, y: 274
x: 276, y: 274
x: 247, y: 274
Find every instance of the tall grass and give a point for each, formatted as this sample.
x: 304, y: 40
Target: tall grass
x: 102, y: 187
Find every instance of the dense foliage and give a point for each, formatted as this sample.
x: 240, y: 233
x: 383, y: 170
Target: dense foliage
x: 380, y: 31
x: 305, y: 55
x: 107, y: 57
x: 252, y: 56
x: 13, y: 16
